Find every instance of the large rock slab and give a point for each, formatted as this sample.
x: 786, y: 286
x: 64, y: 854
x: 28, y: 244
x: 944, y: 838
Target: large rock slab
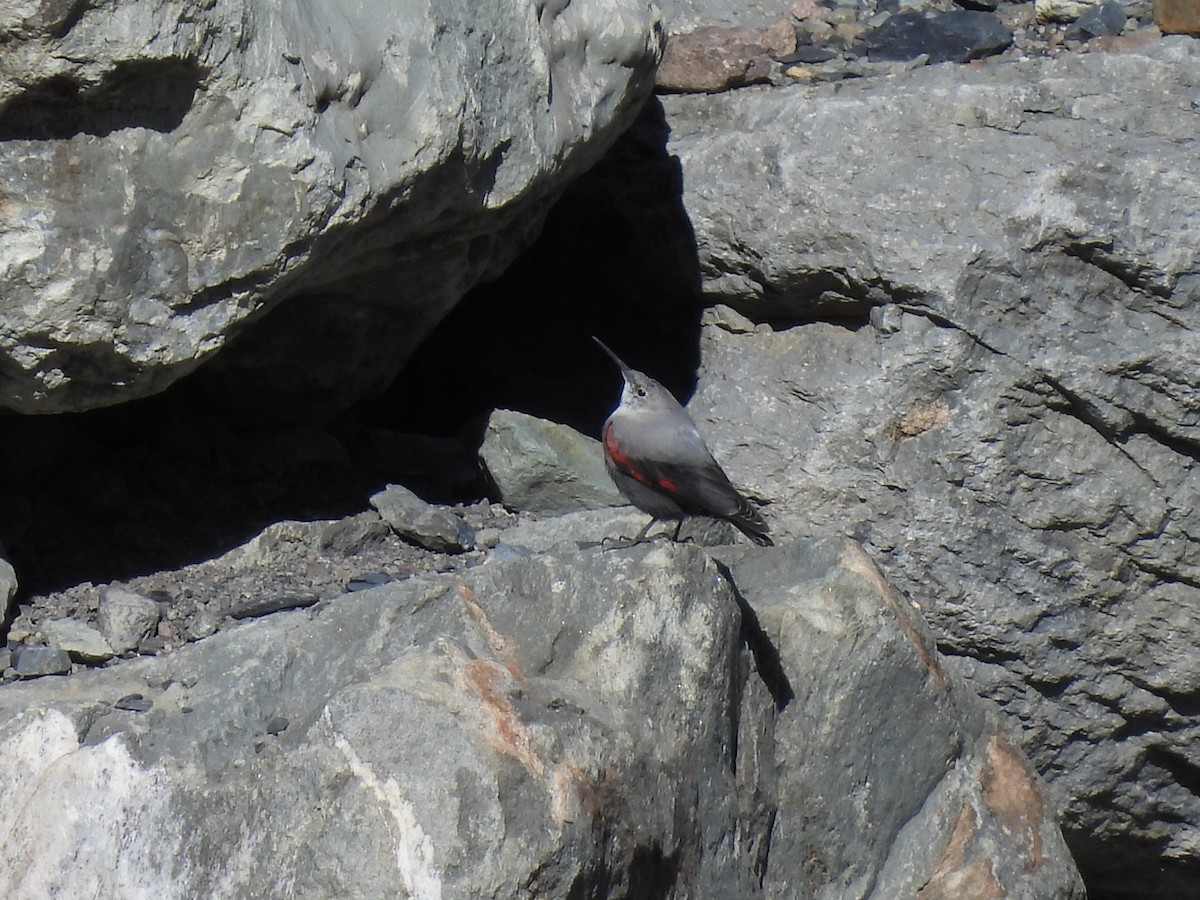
x: 175, y: 172
x: 1001, y: 403
x: 627, y: 723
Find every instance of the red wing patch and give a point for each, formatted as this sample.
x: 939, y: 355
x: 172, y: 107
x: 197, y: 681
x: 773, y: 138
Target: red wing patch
x: 624, y: 463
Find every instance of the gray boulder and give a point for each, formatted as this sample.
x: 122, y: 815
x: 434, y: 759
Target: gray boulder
x: 175, y: 173
x: 625, y: 723
x: 544, y: 467
x: 1009, y: 423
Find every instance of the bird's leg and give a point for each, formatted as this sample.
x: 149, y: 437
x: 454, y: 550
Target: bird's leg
x: 678, y: 525
x: 641, y: 535
x: 626, y: 544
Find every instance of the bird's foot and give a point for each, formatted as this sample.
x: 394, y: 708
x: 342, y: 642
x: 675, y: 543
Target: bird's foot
x: 624, y: 543
x: 642, y: 538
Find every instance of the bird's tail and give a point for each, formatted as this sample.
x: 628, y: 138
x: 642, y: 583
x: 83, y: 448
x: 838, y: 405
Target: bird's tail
x: 749, y: 521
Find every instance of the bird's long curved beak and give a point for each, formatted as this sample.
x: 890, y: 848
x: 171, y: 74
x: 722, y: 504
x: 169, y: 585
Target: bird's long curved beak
x: 624, y: 368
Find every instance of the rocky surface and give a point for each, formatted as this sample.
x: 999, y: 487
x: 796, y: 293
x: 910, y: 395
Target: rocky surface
x: 647, y: 722
x: 174, y: 174
x: 964, y: 314
x: 997, y: 401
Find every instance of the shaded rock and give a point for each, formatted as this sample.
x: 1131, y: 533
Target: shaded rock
x: 262, y: 606
x: 134, y: 703
x: 986, y: 5
x: 80, y: 640
x: 715, y: 58
x: 577, y: 726
x: 369, y: 580
x: 351, y: 535
x: 246, y: 166
x: 1105, y: 20
x: 956, y: 36
x: 544, y: 467
x: 809, y: 54
x: 423, y: 523
x: 36, y: 661
x: 124, y: 618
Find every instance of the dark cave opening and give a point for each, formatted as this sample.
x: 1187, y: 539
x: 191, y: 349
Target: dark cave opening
x: 173, y: 479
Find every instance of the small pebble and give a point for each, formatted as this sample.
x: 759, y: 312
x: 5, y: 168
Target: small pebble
x: 261, y: 606
x: 487, y: 537
x: 204, y: 624
x: 134, y: 703
x: 277, y: 725
x: 151, y: 645
x: 368, y: 581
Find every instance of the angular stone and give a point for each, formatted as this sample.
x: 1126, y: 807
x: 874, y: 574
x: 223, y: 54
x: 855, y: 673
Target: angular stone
x: 540, y: 466
x: 1105, y: 20
x: 36, y: 661
x: 960, y: 35
x: 715, y: 58
x: 254, y: 607
x: 351, y: 535
x: 124, y: 618
x: 423, y: 523
x: 80, y: 640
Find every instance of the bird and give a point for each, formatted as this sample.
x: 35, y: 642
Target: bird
x: 657, y: 459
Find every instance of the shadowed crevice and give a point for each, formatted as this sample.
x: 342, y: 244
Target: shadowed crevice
x: 766, y: 655
x: 144, y: 93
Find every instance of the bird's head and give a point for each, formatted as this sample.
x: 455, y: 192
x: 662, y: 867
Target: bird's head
x: 641, y: 392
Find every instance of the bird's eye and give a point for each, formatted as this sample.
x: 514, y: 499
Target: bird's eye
x: 641, y: 392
